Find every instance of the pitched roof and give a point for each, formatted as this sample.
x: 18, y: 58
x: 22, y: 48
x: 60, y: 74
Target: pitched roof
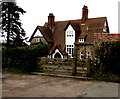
x: 75, y: 25
x: 82, y: 36
x: 91, y: 26
x: 57, y: 34
x: 55, y: 46
x: 46, y: 32
x: 106, y: 37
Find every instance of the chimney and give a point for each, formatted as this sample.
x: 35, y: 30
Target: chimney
x: 84, y: 14
x: 51, y: 18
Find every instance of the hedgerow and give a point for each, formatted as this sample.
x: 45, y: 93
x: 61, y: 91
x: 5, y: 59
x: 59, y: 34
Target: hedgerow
x: 23, y: 58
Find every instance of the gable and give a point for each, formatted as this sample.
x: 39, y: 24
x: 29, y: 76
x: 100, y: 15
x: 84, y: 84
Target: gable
x: 70, y: 28
x: 38, y: 33
x: 106, y: 28
x: 70, y: 36
x: 43, y: 32
x: 57, y: 51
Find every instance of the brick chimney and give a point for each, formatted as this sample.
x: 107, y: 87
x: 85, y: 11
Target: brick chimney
x: 84, y: 14
x: 51, y: 19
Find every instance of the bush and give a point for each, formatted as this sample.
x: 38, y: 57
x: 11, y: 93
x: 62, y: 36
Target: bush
x: 23, y: 58
x: 107, y: 55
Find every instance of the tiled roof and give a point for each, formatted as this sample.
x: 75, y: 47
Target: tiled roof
x: 46, y: 32
x: 91, y: 26
x: 57, y: 34
x: 106, y: 37
x: 55, y: 46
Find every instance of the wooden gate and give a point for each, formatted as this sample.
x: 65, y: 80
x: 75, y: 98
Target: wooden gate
x: 61, y: 66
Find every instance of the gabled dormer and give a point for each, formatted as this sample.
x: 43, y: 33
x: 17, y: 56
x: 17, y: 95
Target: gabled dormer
x: 43, y: 34
x: 72, y: 31
x: 82, y: 38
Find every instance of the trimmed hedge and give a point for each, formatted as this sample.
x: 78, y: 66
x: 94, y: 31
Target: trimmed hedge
x: 23, y: 58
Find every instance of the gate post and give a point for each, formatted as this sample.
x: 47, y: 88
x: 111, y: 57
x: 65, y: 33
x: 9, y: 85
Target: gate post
x: 74, y: 62
x: 74, y: 67
x: 88, y: 66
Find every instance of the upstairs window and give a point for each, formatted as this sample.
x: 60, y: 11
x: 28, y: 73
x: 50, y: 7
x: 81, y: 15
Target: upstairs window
x: 37, y: 40
x: 81, y: 40
x: 69, y: 33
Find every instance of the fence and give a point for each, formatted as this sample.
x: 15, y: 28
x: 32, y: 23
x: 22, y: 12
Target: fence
x: 63, y: 66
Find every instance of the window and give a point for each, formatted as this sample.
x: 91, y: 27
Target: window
x: 81, y: 40
x: 70, y: 49
x: 81, y: 55
x: 69, y: 33
x: 88, y: 55
x: 37, y: 39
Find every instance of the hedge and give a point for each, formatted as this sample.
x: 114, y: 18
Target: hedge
x: 107, y: 55
x: 23, y: 58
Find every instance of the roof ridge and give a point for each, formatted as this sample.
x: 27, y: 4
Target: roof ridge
x: 67, y: 20
x: 79, y: 19
x: 96, y: 18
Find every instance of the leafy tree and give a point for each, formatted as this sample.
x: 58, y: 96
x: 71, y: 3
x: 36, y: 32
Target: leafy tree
x: 107, y: 55
x: 11, y: 23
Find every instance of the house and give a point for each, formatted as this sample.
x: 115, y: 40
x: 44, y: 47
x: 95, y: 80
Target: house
x: 64, y: 36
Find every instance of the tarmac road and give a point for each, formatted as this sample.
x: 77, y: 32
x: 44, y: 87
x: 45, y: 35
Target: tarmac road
x: 15, y: 85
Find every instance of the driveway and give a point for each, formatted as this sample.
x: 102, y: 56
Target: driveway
x: 15, y: 85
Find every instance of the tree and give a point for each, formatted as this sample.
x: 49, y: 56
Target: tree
x: 11, y: 23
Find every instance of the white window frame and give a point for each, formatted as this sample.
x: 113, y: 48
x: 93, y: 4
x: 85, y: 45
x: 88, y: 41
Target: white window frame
x: 37, y: 39
x: 88, y: 54
x: 70, y: 50
x: 81, y: 40
x: 69, y: 33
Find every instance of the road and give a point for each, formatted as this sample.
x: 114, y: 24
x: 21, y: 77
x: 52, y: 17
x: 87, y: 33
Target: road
x: 19, y: 85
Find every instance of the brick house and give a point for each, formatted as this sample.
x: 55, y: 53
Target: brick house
x: 64, y: 36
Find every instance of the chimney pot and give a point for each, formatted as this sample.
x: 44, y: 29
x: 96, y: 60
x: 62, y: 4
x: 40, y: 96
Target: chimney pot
x: 51, y: 19
x: 84, y: 14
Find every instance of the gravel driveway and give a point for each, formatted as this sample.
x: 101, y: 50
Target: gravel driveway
x: 19, y: 85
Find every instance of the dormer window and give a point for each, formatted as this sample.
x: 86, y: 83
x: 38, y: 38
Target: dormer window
x: 69, y: 33
x: 81, y: 40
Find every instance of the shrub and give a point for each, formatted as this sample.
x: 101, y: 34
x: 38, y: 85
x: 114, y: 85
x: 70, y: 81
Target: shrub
x: 23, y: 58
x: 107, y: 55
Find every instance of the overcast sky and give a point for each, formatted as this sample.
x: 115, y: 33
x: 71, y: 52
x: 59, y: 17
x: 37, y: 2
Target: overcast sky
x: 38, y: 11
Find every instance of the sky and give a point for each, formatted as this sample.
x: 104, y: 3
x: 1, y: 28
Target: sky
x: 37, y: 12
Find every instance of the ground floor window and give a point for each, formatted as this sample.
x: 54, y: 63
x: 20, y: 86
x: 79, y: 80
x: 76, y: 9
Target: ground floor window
x: 88, y: 55
x: 70, y: 49
x: 81, y: 55
x: 49, y: 56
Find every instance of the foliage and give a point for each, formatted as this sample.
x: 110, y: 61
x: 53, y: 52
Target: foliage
x: 34, y: 43
x: 107, y: 55
x: 23, y: 58
x: 80, y: 63
x: 103, y: 75
x: 11, y: 23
